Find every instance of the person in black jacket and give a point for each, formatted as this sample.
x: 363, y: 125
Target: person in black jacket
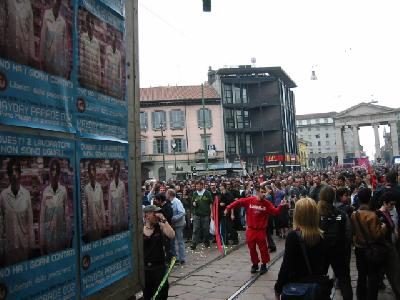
x: 293, y: 267
x: 336, y: 226
x: 166, y: 209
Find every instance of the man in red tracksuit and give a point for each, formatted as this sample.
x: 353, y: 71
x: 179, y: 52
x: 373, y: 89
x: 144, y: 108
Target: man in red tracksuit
x: 258, y: 208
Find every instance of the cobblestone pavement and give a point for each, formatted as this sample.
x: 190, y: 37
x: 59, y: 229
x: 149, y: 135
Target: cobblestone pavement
x: 218, y: 279
x: 209, y: 276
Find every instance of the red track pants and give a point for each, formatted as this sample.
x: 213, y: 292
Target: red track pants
x: 257, y: 237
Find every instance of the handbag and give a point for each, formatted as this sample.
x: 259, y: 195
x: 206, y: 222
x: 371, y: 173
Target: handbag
x: 375, y: 252
x: 312, y: 287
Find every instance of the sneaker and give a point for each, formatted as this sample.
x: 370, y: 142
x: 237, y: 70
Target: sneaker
x: 272, y: 249
x: 182, y: 262
x: 235, y: 243
x: 207, y: 244
x: 254, y: 269
x: 263, y: 269
x: 193, y: 247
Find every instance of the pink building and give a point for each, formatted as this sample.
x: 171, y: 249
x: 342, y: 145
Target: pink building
x: 172, y: 123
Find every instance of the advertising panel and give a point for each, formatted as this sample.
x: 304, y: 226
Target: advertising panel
x: 36, y: 63
x: 101, y: 107
x: 104, y: 206
x: 37, y: 242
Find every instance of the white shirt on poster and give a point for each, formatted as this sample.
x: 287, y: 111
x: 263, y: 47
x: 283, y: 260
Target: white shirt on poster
x: 113, y: 71
x: 53, y: 44
x: 20, y: 36
x: 54, y: 220
x: 94, y: 212
x: 89, y: 63
x: 117, y: 206
x: 16, y: 225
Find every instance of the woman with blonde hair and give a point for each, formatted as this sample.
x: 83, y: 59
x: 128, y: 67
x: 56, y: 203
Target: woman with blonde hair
x: 306, y: 234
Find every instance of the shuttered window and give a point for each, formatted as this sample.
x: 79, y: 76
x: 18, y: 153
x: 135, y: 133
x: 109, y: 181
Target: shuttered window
x: 176, y: 119
x: 158, y: 118
x: 201, y: 113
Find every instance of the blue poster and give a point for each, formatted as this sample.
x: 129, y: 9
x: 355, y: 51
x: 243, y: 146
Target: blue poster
x: 37, y: 220
x: 36, y: 88
x: 105, y: 252
x: 101, y: 106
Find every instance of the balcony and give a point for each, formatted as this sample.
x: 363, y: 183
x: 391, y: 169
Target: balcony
x: 218, y: 155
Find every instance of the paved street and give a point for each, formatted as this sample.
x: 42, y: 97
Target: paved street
x: 208, y: 275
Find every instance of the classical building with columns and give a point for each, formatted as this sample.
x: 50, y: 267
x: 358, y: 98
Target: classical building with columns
x: 366, y: 114
x: 333, y: 137
x: 318, y: 130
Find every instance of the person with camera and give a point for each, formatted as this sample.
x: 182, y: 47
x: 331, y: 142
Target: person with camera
x: 155, y: 229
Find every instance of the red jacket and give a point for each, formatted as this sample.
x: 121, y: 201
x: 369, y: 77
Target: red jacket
x: 257, y: 211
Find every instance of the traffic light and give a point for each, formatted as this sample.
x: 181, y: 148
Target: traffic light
x: 207, y: 5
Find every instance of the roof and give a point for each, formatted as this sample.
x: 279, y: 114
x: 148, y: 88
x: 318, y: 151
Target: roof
x: 317, y: 115
x: 168, y: 93
x: 372, y: 108
x: 277, y: 72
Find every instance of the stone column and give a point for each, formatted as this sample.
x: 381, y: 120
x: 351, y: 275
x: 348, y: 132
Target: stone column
x: 356, y: 142
x: 394, y: 137
x: 377, y: 142
x: 339, y: 144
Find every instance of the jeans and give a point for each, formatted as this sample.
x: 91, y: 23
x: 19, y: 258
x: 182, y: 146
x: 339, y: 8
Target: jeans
x: 201, y: 229
x: 339, y: 260
x: 368, y: 277
x: 228, y: 232
x: 179, y: 242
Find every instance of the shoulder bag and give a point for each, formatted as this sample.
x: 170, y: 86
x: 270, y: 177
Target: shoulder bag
x: 312, y: 287
x: 376, y: 251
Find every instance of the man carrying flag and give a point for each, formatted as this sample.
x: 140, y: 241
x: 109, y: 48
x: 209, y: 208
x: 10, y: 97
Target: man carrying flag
x: 257, y: 211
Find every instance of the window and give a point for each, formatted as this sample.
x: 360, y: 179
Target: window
x: 160, y: 146
x: 158, y: 118
x: 317, y: 136
x: 230, y: 144
x: 143, y: 120
x: 318, y: 128
x: 242, y: 119
x: 201, y: 113
x: 326, y: 120
x: 228, y: 93
x: 327, y: 143
x: 180, y: 145
x: 309, y: 128
x: 327, y: 135
x: 300, y: 130
x: 177, y: 119
x: 208, y: 140
x: 142, y: 147
x: 244, y: 95
x: 229, y: 115
x: 245, y: 144
x: 236, y: 94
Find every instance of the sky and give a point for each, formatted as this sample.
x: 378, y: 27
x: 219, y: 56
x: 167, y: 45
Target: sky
x: 352, y: 45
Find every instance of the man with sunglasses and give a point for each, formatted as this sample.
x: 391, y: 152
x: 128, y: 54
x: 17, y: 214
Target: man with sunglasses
x: 258, y: 210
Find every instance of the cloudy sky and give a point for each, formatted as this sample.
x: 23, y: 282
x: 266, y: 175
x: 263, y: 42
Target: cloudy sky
x: 352, y: 45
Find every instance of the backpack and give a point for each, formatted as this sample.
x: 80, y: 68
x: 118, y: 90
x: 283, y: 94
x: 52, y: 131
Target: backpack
x: 334, y: 228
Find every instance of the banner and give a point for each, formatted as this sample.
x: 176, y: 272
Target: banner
x: 101, y: 107
x: 37, y: 242
x: 104, y: 214
x: 36, y: 64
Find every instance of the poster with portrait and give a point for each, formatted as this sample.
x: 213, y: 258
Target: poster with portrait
x: 104, y: 214
x: 101, y: 107
x: 37, y: 240
x: 36, y: 89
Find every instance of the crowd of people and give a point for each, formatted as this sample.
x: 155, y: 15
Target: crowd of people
x: 330, y: 213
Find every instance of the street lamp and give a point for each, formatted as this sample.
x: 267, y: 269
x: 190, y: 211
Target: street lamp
x: 163, y: 143
x: 173, y: 146
x: 204, y: 128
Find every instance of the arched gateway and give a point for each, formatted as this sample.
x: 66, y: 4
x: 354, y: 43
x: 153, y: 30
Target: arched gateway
x: 366, y: 114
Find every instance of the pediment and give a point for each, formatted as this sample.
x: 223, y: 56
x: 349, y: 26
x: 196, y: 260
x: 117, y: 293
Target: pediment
x: 363, y: 109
